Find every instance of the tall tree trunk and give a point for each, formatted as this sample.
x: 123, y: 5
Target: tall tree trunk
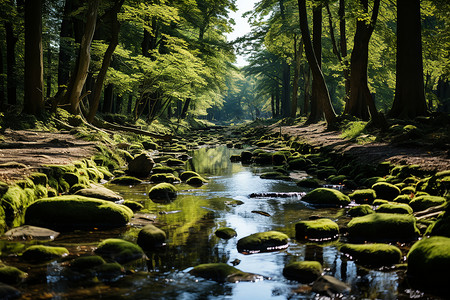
x: 409, y: 100
x: 272, y: 104
x: 108, y: 98
x: 48, y: 89
x: 115, y: 28
x: 84, y: 57
x: 343, y: 47
x: 130, y: 104
x: 277, y: 100
x: 34, y: 62
x: 64, y: 53
x: 285, y: 90
x: 11, y: 80
x: 307, y: 95
x: 298, y: 51
x: 324, y: 96
x: 2, y: 79
x: 185, y: 108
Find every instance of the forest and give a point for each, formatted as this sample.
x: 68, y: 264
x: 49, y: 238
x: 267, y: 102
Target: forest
x: 140, y: 159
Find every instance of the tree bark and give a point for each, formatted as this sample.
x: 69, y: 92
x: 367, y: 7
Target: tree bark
x: 343, y: 47
x: 2, y: 80
x: 84, y: 57
x: 64, y: 53
x: 409, y: 100
x: 307, y: 95
x: 11, y: 80
x: 108, y: 98
x: 298, y: 51
x: 324, y: 96
x: 48, y: 89
x: 34, y: 61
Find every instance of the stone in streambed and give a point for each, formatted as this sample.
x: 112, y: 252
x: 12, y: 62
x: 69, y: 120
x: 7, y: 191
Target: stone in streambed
x: 119, y: 250
x: 320, y: 229
x: 360, y: 210
x: 395, y: 208
x: 226, y: 233
x: 364, y: 196
x: 27, y: 232
x: 12, y: 275
x: 141, y: 165
x: 41, y: 253
x: 100, y: 192
x: 150, y: 237
x: 386, y: 191
x: 263, y: 242
x: 326, y: 197
x: 222, y: 272
x: 373, y: 254
x: 303, y: 271
x: 163, y: 192
x: 423, y: 202
x: 126, y: 180
x: 196, y: 181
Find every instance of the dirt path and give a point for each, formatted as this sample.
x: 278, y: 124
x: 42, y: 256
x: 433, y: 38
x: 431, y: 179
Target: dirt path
x: 432, y: 159
x: 31, y: 149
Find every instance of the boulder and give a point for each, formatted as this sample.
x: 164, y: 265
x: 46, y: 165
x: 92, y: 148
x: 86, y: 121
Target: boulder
x: 360, y: 210
x: 41, y: 253
x: 163, y: 177
x: 133, y: 205
x: 8, y: 292
x: 126, y: 180
x: 326, y: 197
x: 274, y: 175
x: 222, y: 272
x: 316, y: 230
x: 225, y: 233
x: 100, y: 192
x: 28, y: 232
x: 196, y: 181
x: 309, y: 183
x: 441, y: 227
x: 188, y: 174
x: 423, y: 202
x: 76, y: 212
x: 330, y: 286
x: 119, y: 250
x: 303, y: 271
x: 141, y: 165
x: 263, y: 242
x: 364, y: 196
x: 386, y: 191
x: 376, y: 255
x: 12, y: 275
x: 395, y: 208
x: 165, y: 192
x: 150, y: 237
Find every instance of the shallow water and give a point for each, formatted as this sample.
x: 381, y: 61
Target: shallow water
x: 190, y: 222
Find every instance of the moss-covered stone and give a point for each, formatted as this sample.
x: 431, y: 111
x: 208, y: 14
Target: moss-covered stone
x: 39, y: 178
x: 196, y: 181
x: 126, y: 180
x: 133, y: 205
x: 174, y: 162
x: 163, y: 177
x: 41, y: 253
x: 408, y: 190
x: 316, y: 230
x: 14, y: 202
x: 119, y: 250
x: 383, y: 227
x: 263, y: 158
x: 386, y: 191
x: 325, y: 172
x: 309, y: 183
x: 326, y: 196
x: 86, y: 262
x: 423, y: 202
x: 378, y: 202
x: 274, y: 175
x: 162, y: 169
x: 337, y: 179
x: 395, y: 208
x: 263, y: 242
x: 402, y: 199
x: 150, y: 237
x: 303, y: 271
x: 12, y: 275
x: 70, y: 212
x: 226, y: 233
x: 141, y: 165
x: 364, y: 196
x: 99, y: 192
x: 246, y: 157
x: 373, y: 254
x: 428, y: 264
x: 163, y: 192
x: 299, y: 163
x: 219, y: 272
x: 188, y: 174
x: 441, y: 227
x: 360, y: 210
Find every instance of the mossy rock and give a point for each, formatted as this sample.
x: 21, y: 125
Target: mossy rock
x: 196, y: 181
x: 8, y: 292
x: 326, y: 197
x: 225, y: 233
x: 263, y: 242
x: 14, y: 201
x: 162, y: 169
x: 441, y: 227
x: 402, y: 199
x: 12, y: 275
x: 386, y: 191
x: 119, y: 250
x: 40, y: 191
x: 373, y: 254
x: 373, y: 180
x: 76, y: 212
x: 337, y: 179
x: 383, y: 227
x: 246, y: 157
x: 325, y: 172
x: 25, y: 183
x: 150, y: 237
x: 363, y: 196
x: 378, y: 202
x: 219, y: 272
x: 303, y: 271
x: 39, y: 178
x: 408, y: 190
x: 86, y: 262
x: 423, y: 202
x: 299, y: 163
x: 133, y: 205
x: 99, y: 192
x: 148, y: 145
x: 274, y: 175
x: 280, y: 157
x: 126, y: 180
x: 141, y: 165
x: 41, y: 253
x: 174, y: 162
x: 263, y: 158
x: 163, y: 177
x: 188, y: 174
x: 360, y: 210
x: 428, y: 264
x: 163, y: 192
x: 395, y: 208
x: 309, y: 183
x: 316, y: 230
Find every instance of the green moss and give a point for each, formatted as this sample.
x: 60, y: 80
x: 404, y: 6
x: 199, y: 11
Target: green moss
x: 12, y: 275
x: 360, y: 210
x: 163, y: 177
x: 25, y: 183
x: 126, y: 180
x: 73, y: 211
x: 42, y: 253
x: 337, y: 179
x: 263, y: 242
x: 14, y: 201
x: 309, y: 183
x: 373, y: 180
x: 86, y: 262
x: 150, y: 237
x: 40, y: 191
x: 320, y: 229
x: 395, y: 208
x: 326, y: 196
x: 263, y: 158
x: 188, y: 174
x: 325, y: 172
x: 133, y: 205
x: 299, y: 163
x: 402, y: 199
x: 383, y: 227
x: 225, y: 233
x: 303, y: 271
x: 39, y: 178
x: 274, y: 175
x: 162, y: 169
x: 363, y: 196
x: 172, y: 162
x: 441, y: 227
x: 163, y: 191
x: 386, y: 191
x: 373, y: 254
x: 428, y: 264
x: 196, y: 181
x: 378, y: 202
x: 216, y: 271
x: 119, y: 250
x: 423, y: 202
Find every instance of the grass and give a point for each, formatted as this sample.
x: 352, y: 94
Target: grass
x: 353, y: 129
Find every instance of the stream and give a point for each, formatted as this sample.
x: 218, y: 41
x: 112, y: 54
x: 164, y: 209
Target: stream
x: 190, y: 222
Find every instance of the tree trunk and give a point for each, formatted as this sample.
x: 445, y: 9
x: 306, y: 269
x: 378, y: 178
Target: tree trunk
x: 48, y: 90
x: 2, y: 80
x: 343, y: 47
x: 272, y: 104
x: 277, y: 101
x: 84, y: 57
x: 108, y: 98
x: 64, y: 44
x: 307, y: 96
x: 298, y: 56
x: 130, y: 104
x: 11, y: 80
x: 185, y: 108
x: 115, y: 28
x: 409, y: 100
x: 285, y: 90
x: 324, y: 96
x: 34, y: 62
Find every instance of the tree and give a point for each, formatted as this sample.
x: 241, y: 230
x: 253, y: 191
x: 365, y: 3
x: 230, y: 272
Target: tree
x: 409, y: 100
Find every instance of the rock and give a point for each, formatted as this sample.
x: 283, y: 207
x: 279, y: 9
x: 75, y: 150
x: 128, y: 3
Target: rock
x: 126, y: 180
x: 162, y: 169
x: 246, y: 157
x: 141, y: 165
x: 222, y: 272
x: 326, y: 197
x: 423, y: 202
x: 225, y: 233
x: 309, y: 183
x: 41, y: 253
x: 442, y: 225
x: 274, y: 175
x: 86, y: 262
x: 163, y: 192
x: 133, y: 205
x: 378, y: 202
x: 316, y: 230
x: 299, y: 163
x: 360, y: 210
x: 196, y: 181
x: 303, y: 271
x: 148, y: 145
x: 263, y: 242
x: 386, y: 191
x: 76, y: 212
x: 150, y: 237
x: 395, y: 208
x: 330, y: 286
x: 28, y: 232
x: 119, y: 250
x: 163, y: 177
x: 12, y: 275
x: 402, y: 199
x: 8, y: 292
x: 364, y: 196
x: 100, y: 192
x: 188, y: 174
x: 173, y: 162
x: 383, y: 227
x: 297, y: 195
x: 428, y: 264
x: 373, y: 254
